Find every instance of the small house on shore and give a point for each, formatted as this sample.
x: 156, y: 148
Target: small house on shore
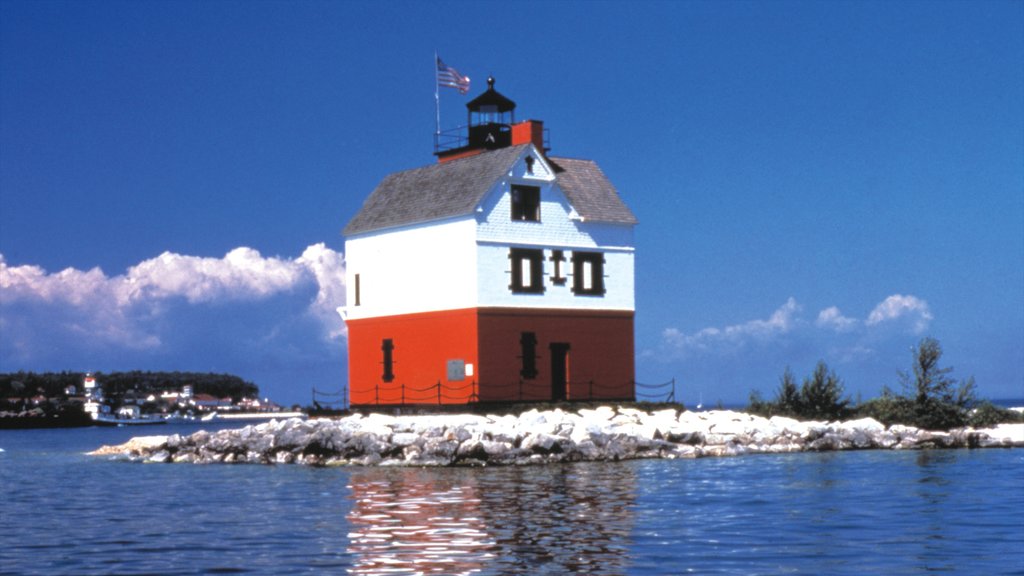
x: 501, y: 273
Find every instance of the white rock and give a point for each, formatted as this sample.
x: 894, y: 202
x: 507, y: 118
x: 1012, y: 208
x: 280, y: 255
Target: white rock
x: 535, y: 437
x: 539, y: 442
x: 1007, y: 434
x: 404, y: 439
x: 869, y: 425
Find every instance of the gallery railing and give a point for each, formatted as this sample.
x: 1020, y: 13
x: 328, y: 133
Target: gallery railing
x: 664, y: 392
x: 519, y: 391
x: 330, y: 400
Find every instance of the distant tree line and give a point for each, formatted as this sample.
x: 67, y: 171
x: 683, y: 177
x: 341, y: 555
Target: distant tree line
x: 53, y: 384
x: 930, y: 397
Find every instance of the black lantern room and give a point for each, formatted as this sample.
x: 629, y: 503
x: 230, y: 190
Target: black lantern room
x: 491, y: 116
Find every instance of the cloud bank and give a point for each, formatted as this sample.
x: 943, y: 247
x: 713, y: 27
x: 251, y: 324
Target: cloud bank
x: 897, y: 313
x: 147, y: 306
x: 730, y: 361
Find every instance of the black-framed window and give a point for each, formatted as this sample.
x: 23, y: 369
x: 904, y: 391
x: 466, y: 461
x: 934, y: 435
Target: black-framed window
x: 388, y: 348
x: 557, y: 257
x: 526, y: 203
x: 528, y: 347
x: 527, y: 270
x: 588, y: 273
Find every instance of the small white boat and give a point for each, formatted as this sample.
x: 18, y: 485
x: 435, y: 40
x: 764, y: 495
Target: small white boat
x: 113, y: 420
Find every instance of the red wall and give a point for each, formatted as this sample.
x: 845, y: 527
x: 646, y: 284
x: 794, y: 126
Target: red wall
x: 423, y: 343
x: 601, y: 357
x: 601, y: 352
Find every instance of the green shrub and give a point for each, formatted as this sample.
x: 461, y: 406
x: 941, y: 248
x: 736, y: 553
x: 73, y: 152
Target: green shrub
x: 987, y: 414
x: 819, y: 398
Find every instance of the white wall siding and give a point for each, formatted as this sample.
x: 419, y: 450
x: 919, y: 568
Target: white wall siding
x: 558, y: 225
x: 416, y: 269
x: 464, y: 262
x: 495, y: 276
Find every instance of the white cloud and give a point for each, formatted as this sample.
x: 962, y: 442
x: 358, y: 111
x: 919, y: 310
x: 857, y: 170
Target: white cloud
x: 241, y: 274
x: 899, y: 307
x: 126, y: 309
x: 32, y: 282
x: 328, y: 267
x: 835, y: 334
x: 832, y: 318
x: 781, y: 321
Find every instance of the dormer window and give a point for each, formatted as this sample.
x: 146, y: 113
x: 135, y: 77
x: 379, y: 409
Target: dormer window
x: 526, y: 203
x: 529, y: 164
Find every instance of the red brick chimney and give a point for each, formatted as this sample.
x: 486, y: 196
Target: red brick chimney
x: 529, y: 131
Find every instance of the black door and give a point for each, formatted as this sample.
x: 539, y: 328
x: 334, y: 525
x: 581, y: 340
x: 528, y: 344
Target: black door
x: 559, y: 370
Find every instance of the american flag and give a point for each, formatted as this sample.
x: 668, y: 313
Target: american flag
x: 449, y: 77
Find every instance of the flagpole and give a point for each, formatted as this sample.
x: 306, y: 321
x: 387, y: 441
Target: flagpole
x: 437, y: 101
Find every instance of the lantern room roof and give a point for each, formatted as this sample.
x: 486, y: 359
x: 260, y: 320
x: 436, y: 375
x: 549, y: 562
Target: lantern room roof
x: 491, y: 97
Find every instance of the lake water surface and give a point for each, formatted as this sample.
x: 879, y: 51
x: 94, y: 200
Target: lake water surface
x: 957, y: 511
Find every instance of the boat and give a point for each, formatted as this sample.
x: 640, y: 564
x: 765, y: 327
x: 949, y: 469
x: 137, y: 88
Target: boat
x: 126, y: 416
x: 115, y: 420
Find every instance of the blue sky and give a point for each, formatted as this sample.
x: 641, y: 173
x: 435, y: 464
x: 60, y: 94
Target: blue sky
x: 814, y: 180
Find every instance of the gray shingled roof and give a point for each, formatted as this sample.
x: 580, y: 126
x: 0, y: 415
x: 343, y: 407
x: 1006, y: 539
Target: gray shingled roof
x: 457, y: 187
x: 590, y: 192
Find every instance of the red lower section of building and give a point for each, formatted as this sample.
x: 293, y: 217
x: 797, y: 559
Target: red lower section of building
x: 491, y: 355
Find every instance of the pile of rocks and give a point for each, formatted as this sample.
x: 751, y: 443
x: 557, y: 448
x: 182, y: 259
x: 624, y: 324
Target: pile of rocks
x: 535, y: 437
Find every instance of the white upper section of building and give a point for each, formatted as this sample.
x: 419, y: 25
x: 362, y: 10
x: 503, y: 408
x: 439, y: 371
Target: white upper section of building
x: 415, y: 269
x: 508, y: 228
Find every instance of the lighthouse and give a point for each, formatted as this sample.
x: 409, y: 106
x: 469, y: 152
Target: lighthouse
x: 500, y: 273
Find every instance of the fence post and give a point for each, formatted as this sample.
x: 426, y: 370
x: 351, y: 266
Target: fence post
x: 673, y: 389
x: 403, y: 393
x: 438, y: 392
x: 376, y: 394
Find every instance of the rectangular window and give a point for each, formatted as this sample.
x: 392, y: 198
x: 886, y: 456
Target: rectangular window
x: 357, y: 289
x: 388, y: 348
x: 528, y: 346
x: 527, y: 270
x: 556, y: 259
x: 588, y: 273
x: 526, y: 203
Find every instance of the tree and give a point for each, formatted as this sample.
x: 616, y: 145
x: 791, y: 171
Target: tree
x: 821, y: 396
x: 939, y: 401
x: 788, y: 399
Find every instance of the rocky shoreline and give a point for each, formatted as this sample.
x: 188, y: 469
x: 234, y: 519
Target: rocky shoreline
x: 535, y: 437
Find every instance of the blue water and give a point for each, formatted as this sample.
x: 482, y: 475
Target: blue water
x: 956, y: 512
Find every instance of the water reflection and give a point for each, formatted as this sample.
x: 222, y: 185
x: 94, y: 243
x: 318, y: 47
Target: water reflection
x: 415, y: 520
x: 537, y: 520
